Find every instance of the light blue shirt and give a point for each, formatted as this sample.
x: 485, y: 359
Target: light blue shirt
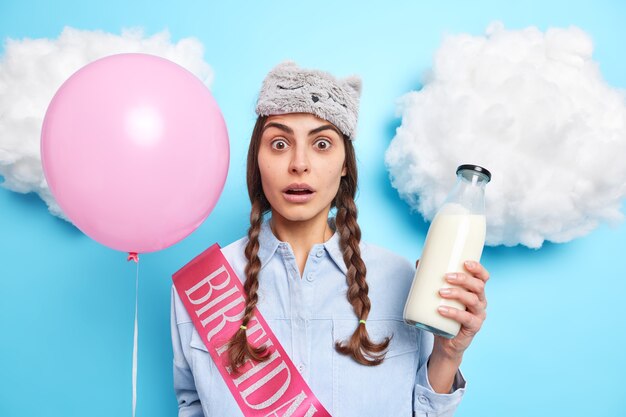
x: 308, y: 314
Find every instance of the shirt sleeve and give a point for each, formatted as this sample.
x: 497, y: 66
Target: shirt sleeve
x: 427, y: 402
x: 184, y: 384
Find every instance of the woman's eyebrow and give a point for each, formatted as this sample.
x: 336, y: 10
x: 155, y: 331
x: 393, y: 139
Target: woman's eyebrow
x: 324, y: 127
x: 279, y: 126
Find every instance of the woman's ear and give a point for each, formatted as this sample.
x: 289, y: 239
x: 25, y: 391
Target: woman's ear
x: 344, y: 171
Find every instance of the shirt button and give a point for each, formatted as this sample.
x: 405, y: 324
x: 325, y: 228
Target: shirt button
x: 309, y: 277
x: 423, y: 399
x: 301, y: 368
x: 319, y: 253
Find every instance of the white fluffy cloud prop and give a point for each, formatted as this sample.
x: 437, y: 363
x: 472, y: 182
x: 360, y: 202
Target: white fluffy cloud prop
x: 533, y: 108
x: 31, y: 71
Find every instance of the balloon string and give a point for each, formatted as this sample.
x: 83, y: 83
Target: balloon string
x: 135, y: 257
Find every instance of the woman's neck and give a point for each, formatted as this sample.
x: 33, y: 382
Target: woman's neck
x: 302, y: 235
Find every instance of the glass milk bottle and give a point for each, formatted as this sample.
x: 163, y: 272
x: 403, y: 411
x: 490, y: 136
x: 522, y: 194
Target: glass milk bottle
x: 456, y: 234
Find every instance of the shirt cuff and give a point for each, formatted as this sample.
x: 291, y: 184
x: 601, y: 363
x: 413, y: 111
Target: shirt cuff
x: 426, y: 400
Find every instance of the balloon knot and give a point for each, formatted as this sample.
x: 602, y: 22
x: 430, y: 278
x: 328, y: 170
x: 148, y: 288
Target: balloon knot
x: 133, y: 256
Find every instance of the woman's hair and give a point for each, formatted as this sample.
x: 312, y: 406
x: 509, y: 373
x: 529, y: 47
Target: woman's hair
x: 359, y: 346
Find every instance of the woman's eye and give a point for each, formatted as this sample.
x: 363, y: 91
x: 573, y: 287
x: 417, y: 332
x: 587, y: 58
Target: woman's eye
x: 322, y: 144
x: 279, y: 144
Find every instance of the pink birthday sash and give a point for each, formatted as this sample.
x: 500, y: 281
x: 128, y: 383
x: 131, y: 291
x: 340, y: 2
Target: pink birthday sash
x: 214, y: 298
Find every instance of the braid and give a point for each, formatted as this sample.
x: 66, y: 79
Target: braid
x: 359, y: 346
x: 238, y: 347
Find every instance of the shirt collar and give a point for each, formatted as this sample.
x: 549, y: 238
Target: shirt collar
x: 268, y: 244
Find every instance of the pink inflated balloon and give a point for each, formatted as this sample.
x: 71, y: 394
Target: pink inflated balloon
x: 135, y: 151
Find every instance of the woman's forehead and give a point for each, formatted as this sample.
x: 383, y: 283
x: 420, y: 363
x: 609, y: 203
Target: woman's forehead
x: 296, y: 118
x: 293, y: 122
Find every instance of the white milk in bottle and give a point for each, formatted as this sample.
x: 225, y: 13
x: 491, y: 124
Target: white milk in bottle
x: 456, y: 234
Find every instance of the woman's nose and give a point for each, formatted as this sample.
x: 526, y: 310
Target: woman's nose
x: 299, y: 162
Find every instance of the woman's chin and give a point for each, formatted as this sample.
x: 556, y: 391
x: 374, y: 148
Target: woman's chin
x: 297, y: 214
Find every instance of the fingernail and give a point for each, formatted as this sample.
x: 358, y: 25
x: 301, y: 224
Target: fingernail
x: 470, y: 264
x: 445, y: 291
x: 443, y: 309
x: 451, y: 276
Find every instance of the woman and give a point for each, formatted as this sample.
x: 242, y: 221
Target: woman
x: 334, y: 303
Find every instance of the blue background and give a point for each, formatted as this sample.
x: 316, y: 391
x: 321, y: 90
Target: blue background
x: 553, y: 341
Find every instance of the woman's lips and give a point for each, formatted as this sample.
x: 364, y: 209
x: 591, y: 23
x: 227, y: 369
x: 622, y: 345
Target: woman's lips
x: 298, y: 198
x: 298, y: 192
